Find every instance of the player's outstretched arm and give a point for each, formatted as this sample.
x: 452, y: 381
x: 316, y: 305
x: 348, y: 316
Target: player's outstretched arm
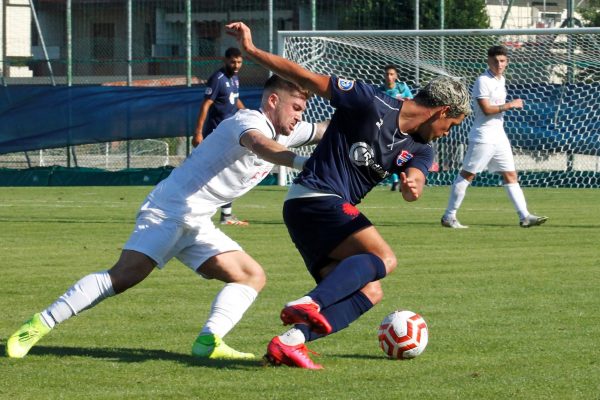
x: 269, y: 150
x: 316, y: 83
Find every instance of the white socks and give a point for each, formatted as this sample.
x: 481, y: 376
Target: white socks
x: 515, y: 193
x: 87, y: 292
x: 457, y: 195
x: 228, y: 307
x: 226, y: 210
x: 292, y: 337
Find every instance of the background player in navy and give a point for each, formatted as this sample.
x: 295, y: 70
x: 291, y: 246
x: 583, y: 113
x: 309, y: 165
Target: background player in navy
x: 370, y: 136
x: 221, y: 101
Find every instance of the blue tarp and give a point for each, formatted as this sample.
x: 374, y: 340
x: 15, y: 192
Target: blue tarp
x: 556, y: 118
x: 41, y: 117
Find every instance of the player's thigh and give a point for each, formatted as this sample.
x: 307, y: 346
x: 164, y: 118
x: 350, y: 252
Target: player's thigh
x: 204, y: 244
x: 366, y: 240
x: 503, y: 159
x: 157, y: 237
x: 477, y: 157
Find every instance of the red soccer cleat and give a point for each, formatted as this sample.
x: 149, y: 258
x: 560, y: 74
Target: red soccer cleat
x: 293, y: 356
x: 306, y: 312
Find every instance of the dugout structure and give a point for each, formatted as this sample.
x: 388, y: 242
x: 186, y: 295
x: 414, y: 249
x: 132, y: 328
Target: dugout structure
x: 555, y: 138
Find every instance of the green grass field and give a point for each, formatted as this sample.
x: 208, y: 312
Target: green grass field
x: 513, y: 313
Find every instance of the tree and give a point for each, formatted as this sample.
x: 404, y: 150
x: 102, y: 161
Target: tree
x: 590, y: 13
x: 399, y: 14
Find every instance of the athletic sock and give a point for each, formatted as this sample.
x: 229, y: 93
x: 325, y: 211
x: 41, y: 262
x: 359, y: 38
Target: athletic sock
x: 340, y: 315
x: 293, y: 337
x: 86, y: 293
x: 457, y: 195
x: 517, y: 197
x: 226, y: 209
x: 227, y: 308
x: 349, y: 276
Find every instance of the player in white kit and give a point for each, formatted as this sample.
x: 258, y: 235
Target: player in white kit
x: 488, y: 144
x: 175, y: 221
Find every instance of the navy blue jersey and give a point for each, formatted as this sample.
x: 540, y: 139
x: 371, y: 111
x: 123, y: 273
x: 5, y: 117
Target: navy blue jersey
x: 363, y: 144
x: 224, y: 91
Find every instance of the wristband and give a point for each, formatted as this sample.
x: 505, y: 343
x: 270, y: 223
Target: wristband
x: 298, y: 162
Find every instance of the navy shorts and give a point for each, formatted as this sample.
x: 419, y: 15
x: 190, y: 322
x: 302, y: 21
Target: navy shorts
x: 317, y: 225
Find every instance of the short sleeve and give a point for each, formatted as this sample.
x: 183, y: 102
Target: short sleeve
x: 481, y: 89
x: 303, y: 133
x: 350, y: 94
x: 212, y: 87
x: 252, y: 120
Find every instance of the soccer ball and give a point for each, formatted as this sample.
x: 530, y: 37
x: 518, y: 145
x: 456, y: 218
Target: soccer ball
x: 403, y: 335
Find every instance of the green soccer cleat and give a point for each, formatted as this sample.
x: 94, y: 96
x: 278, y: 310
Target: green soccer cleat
x: 20, y: 342
x: 213, y: 347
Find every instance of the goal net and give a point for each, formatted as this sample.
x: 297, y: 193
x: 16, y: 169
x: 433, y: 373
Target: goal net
x: 555, y: 138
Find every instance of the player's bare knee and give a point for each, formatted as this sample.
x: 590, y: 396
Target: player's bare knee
x: 129, y: 270
x: 373, y: 291
x: 255, y: 278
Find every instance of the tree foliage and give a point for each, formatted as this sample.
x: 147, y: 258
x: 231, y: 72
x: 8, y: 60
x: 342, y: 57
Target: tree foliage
x: 590, y: 13
x: 399, y: 14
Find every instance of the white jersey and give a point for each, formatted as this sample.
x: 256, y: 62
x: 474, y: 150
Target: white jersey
x: 220, y: 169
x: 488, y: 128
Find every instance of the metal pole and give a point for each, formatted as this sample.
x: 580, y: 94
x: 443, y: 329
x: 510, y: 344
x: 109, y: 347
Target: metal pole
x: 270, y: 26
x: 69, y: 18
x: 510, y: 3
x: 129, y: 72
x: 41, y: 35
x: 188, y: 44
x: 442, y: 27
x: 129, y: 42
x: 417, y: 23
x: 313, y: 12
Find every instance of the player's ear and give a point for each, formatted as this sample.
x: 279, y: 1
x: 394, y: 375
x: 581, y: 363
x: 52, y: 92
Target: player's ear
x: 273, y: 100
x: 444, y: 111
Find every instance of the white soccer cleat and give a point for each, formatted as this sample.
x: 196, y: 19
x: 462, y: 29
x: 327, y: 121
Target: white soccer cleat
x: 532, y: 220
x: 452, y: 223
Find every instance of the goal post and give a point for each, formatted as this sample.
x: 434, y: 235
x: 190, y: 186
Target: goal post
x: 555, y: 138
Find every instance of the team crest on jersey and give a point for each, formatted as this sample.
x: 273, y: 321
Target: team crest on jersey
x: 403, y: 158
x: 208, y: 91
x: 345, y: 84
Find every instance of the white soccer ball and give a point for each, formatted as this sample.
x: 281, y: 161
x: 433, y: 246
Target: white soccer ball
x: 403, y: 335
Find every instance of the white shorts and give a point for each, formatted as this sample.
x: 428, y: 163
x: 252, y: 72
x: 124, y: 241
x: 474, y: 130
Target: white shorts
x: 163, y: 238
x: 497, y: 157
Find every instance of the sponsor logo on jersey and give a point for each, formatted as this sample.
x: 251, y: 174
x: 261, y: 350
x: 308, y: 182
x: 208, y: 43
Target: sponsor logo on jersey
x: 403, y: 158
x: 362, y: 154
x: 208, y: 91
x: 345, y: 84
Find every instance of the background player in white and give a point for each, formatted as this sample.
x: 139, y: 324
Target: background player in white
x: 175, y: 221
x: 488, y: 144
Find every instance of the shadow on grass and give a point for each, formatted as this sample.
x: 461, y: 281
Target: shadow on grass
x: 129, y: 355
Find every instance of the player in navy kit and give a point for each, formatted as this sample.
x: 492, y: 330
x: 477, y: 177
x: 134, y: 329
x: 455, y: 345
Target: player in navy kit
x: 370, y: 136
x: 221, y: 101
